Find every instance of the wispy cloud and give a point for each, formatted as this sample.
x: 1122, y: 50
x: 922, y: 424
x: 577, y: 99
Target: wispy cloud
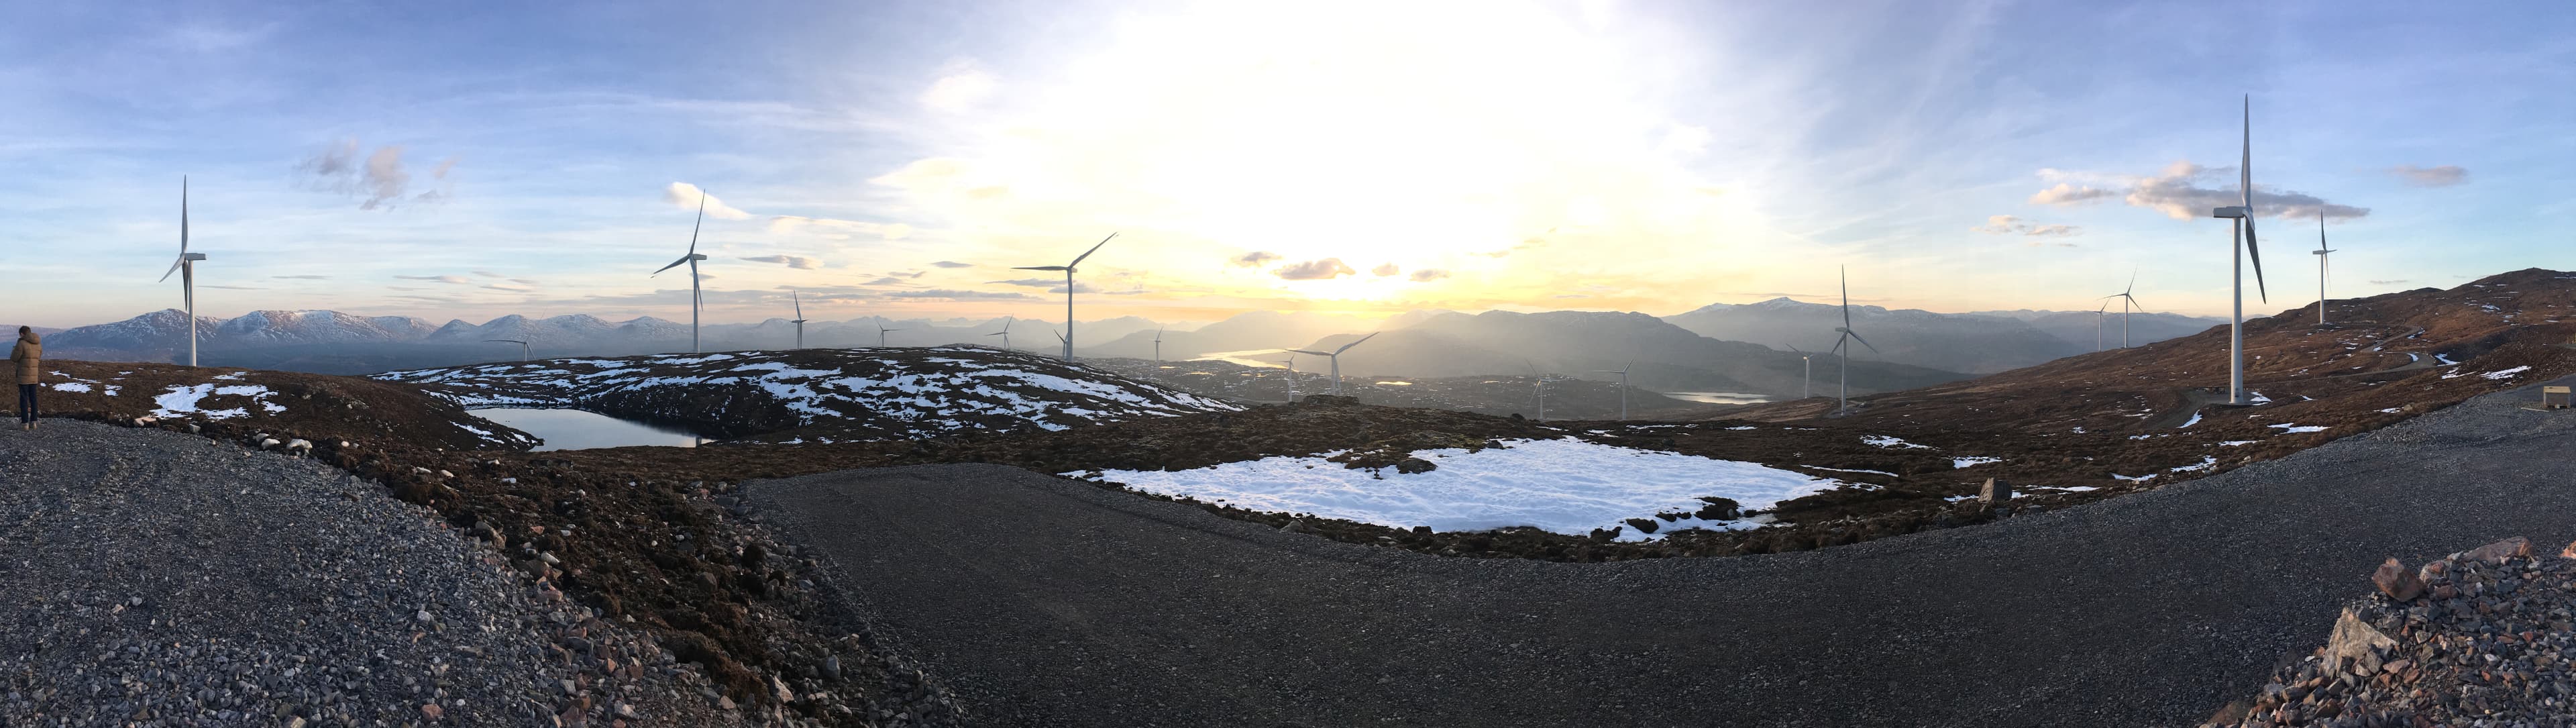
x: 2177, y: 192
x: 955, y: 295
x: 2011, y: 225
x: 454, y: 280
x: 959, y: 90
x: 2442, y: 176
x: 792, y: 261
x: 2390, y: 283
x: 1385, y: 269
x: 687, y: 196
x: 951, y: 264
x: 380, y: 177
x: 1426, y: 275
x: 1253, y: 259
x: 1314, y: 270
x: 840, y: 229
x: 304, y: 277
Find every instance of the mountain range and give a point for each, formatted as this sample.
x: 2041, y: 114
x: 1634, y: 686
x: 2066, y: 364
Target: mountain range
x: 1721, y: 347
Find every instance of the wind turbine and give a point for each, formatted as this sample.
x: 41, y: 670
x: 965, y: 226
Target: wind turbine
x: 692, y: 259
x: 186, y: 267
x: 1005, y: 333
x: 1842, y: 395
x: 2103, y: 312
x: 2126, y: 301
x: 1806, y: 389
x: 799, y: 321
x: 2241, y: 237
x: 2321, y: 265
x: 881, y: 332
x: 1068, y: 268
x: 1538, y: 388
x: 1291, y: 362
x: 523, y: 346
x: 1158, y: 345
x: 1623, y: 386
x: 1336, y: 357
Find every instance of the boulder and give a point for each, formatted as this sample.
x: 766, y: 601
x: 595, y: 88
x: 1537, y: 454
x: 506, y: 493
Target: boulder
x: 1995, y: 492
x: 2496, y: 553
x: 1411, y: 466
x: 2396, y: 581
x: 2355, y: 645
x: 1719, y: 509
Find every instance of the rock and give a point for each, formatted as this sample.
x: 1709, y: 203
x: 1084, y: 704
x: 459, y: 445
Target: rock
x: 431, y: 711
x: 832, y: 667
x: 1422, y: 530
x: 2496, y: 553
x: 299, y: 445
x: 2396, y: 581
x: 1643, y: 525
x: 1719, y: 509
x: 2355, y: 644
x: 1410, y: 466
x: 2569, y: 552
x: 1995, y: 492
x: 268, y: 442
x: 784, y: 695
x: 1297, y: 525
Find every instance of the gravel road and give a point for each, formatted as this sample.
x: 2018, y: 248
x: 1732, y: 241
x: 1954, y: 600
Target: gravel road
x: 1051, y: 602
x: 154, y: 578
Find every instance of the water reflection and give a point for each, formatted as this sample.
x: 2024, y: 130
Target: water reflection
x: 565, y: 429
x: 1718, y: 397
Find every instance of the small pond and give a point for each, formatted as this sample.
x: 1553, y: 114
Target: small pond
x: 567, y: 429
x: 1718, y: 397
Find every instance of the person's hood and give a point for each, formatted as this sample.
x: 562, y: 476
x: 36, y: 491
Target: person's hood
x: 30, y: 337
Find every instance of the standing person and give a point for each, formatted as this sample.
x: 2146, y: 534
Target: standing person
x: 27, y: 355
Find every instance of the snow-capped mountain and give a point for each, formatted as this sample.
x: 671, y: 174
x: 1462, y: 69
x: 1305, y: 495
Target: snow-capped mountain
x: 317, y: 327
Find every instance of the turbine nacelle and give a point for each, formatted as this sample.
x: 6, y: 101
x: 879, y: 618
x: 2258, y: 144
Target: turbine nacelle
x: 2232, y: 212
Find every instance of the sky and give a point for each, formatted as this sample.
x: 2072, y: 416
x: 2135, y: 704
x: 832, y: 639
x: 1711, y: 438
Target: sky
x: 1369, y: 158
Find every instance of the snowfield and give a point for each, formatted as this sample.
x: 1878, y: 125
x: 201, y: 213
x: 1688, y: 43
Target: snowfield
x: 181, y: 399
x: 868, y: 393
x: 1563, y: 485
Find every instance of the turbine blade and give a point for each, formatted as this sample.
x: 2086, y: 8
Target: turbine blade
x: 1095, y: 247
x: 702, y: 221
x: 183, y: 217
x: 1864, y: 342
x: 1309, y: 353
x: 2255, y: 252
x: 799, y: 301
x: 2133, y: 283
x: 1846, y: 279
x: 174, y: 268
x: 1347, y: 347
x: 674, y: 264
x: 1039, y: 267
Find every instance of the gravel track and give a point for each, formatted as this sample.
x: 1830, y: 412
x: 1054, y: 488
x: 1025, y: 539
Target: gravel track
x: 154, y: 578
x: 1050, y: 602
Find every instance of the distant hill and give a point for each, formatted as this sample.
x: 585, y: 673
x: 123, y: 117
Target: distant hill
x: 1247, y: 331
x: 1581, y: 343
x: 2077, y: 327
x: 1973, y: 343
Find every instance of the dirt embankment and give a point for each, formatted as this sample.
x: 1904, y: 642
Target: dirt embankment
x: 656, y: 547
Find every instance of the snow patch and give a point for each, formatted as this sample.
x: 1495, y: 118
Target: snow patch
x: 1970, y: 462
x: 1889, y: 441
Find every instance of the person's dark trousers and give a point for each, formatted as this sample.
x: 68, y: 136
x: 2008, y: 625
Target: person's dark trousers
x: 26, y: 403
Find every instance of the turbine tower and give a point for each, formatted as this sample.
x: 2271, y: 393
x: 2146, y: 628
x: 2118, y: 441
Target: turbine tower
x: 1336, y: 357
x: 1005, y: 333
x: 1623, y: 386
x: 1291, y: 363
x: 692, y: 259
x: 186, y: 267
x: 2126, y: 301
x: 1842, y: 395
x: 881, y: 332
x: 1158, y: 345
x: 1068, y: 268
x: 2104, y: 311
x: 523, y: 346
x: 2321, y: 265
x: 799, y: 321
x: 1807, y: 388
x: 2241, y: 237
x: 1538, y: 388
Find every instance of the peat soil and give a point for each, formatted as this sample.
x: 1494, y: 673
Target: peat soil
x: 1049, y: 602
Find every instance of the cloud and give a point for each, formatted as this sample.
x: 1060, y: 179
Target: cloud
x: 1385, y: 269
x: 456, y: 280
x: 380, y: 177
x: 1254, y: 258
x: 792, y: 261
x: 2069, y: 194
x: 234, y: 288
x: 1426, y: 275
x: 2442, y: 176
x: 952, y: 264
x: 2010, y: 225
x: 304, y: 278
x: 960, y: 90
x: 1573, y: 295
x: 1030, y: 282
x: 885, y: 281
x: 1314, y: 270
x: 942, y: 293
x: 510, y: 288
x: 841, y: 229
x: 686, y: 196
x: 2176, y: 191
x: 489, y: 274
x: 2388, y: 283
x: 1525, y: 244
